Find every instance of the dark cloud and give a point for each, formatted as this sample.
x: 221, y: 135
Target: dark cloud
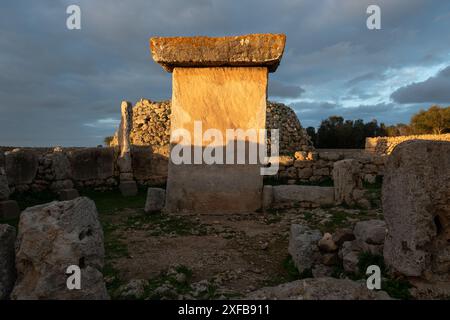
x: 279, y: 89
x: 433, y: 90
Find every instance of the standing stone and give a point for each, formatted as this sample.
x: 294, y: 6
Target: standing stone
x: 7, y: 268
x: 53, y: 237
x: 4, y: 188
x: 303, y: 246
x: 127, y: 184
x: 370, y: 231
x: 416, y: 205
x: 221, y: 83
x: 346, y: 179
x: 267, y: 197
x: 155, y: 200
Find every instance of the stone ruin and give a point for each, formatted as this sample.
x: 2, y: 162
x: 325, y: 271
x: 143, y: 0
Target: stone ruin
x: 221, y: 82
x: 151, y: 127
x: 414, y: 239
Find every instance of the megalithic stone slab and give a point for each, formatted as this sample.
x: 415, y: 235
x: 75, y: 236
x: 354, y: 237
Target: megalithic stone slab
x: 220, y: 83
x: 252, y: 50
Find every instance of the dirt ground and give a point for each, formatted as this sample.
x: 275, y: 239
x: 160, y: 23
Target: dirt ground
x: 238, y: 253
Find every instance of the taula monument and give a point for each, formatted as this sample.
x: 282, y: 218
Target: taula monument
x: 219, y: 84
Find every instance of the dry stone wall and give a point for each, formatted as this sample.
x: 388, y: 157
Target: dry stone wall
x: 41, y: 169
x: 65, y: 168
x: 316, y: 166
x: 385, y: 145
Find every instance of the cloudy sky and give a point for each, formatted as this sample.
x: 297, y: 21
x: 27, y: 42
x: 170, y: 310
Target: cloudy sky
x: 64, y: 87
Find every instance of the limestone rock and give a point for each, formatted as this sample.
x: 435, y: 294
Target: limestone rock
x: 303, y: 246
x: 4, y: 188
x: 349, y: 254
x: 416, y: 205
x: 267, y: 196
x: 21, y: 166
x: 286, y: 194
x: 252, y: 50
x: 7, y: 268
x: 128, y: 188
x: 155, y: 200
x: 346, y: 178
x: 370, y: 231
x: 9, y: 209
x: 319, y: 289
x: 52, y: 237
x: 343, y: 234
x: 327, y: 244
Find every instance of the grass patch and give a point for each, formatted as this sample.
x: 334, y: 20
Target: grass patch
x: 337, y: 220
x: 292, y: 271
x: 162, y: 224
x: 112, y: 201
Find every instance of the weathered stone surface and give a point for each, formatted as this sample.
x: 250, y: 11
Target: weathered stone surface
x: 285, y: 194
x: 4, y: 188
x: 327, y: 244
x: 21, y: 166
x: 319, y: 289
x: 343, y: 234
x: 92, y: 163
x: 303, y: 246
x: 7, y: 266
x: 52, y: 237
x: 252, y: 50
x: 60, y: 166
x: 68, y: 194
x: 346, y: 178
x: 416, y: 206
x: 370, y: 231
x: 216, y: 97
x: 349, y: 254
x: 155, y: 200
x: 125, y: 127
x: 267, y: 196
x: 128, y: 188
x: 9, y: 209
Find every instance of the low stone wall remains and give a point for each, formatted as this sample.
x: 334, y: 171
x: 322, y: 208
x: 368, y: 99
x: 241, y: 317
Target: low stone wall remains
x: 385, y: 145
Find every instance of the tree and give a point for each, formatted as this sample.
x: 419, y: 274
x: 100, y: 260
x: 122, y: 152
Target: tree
x: 435, y: 120
x: 335, y: 132
x: 107, y: 140
x: 311, y: 131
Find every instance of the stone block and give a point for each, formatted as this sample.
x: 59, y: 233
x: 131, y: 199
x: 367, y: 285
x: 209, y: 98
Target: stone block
x: 7, y: 257
x: 9, y: 209
x: 155, y: 200
x: 68, y: 194
x: 291, y: 194
x: 416, y: 207
x: 252, y: 50
x: 128, y: 188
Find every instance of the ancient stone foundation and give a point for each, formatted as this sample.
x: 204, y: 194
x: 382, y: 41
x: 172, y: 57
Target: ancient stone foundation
x: 221, y: 82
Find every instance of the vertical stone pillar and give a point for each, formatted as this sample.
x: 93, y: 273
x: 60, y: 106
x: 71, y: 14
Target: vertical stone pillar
x: 127, y: 184
x: 218, y: 84
x: 347, y: 179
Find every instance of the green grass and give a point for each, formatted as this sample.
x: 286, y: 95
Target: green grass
x: 112, y: 201
x: 162, y: 224
x: 337, y: 220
